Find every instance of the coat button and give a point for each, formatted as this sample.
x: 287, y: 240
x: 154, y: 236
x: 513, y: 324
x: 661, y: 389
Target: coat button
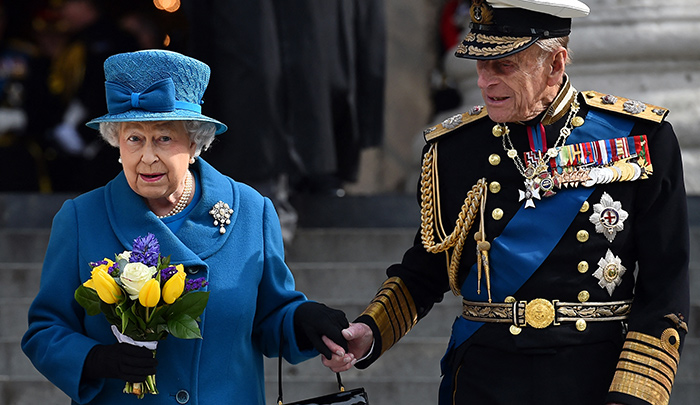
x: 495, y: 160
x: 582, y: 236
x: 584, y: 296
x: 581, y: 325
x: 582, y: 266
x: 182, y: 397
x: 497, y: 131
x: 494, y: 187
x: 193, y: 270
x: 497, y: 214
x: 586, y: 205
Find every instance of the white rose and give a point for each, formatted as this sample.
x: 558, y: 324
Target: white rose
x: 134, y: 276
x: 124, y: 255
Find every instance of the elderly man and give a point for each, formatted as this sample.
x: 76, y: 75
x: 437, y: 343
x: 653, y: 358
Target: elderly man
x: 574, y: 270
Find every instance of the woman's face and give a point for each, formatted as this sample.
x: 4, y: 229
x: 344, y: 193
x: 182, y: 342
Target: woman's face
x: 155, y: 158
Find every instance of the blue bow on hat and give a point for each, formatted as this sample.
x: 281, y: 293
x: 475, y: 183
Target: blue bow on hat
x: 158, y: 97
x: 154, y: 85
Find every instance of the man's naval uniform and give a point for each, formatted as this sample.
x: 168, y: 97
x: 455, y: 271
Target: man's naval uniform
x: 568, y: 324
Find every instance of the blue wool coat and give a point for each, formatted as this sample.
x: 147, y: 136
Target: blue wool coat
x: 251, y: 296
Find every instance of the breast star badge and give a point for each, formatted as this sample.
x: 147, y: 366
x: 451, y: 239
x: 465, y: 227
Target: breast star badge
x: 608, y: 217
x: 610, y: 271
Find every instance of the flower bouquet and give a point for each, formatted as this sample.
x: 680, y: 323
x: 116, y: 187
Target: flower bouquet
x: 144, y: 298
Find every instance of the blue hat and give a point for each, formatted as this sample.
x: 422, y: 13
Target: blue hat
x: 155, y: 85
x: 500, y: 28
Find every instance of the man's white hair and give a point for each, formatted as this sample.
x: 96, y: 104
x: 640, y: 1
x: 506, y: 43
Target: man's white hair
x: 549, y: 45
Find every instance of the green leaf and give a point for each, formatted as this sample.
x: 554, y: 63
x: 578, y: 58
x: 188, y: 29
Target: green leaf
x: 191, y: 304
x: 163, y: 262
x: 184, y: 327
x: 88, y: 299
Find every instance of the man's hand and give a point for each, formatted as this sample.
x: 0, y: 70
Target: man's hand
x: 359, y: 339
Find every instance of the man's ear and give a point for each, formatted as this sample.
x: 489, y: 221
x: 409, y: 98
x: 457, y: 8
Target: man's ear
x: 557, y: 66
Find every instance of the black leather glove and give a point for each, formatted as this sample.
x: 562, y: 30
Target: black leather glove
x: 120, y: 360
x: 313, y: 320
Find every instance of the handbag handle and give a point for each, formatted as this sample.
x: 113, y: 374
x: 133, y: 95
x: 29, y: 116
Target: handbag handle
x: 341, y: 387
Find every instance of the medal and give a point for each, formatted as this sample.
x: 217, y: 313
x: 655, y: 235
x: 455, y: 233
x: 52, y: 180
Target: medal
x: 536, y: 171
x: 610, y: 271
x: 608, y: 217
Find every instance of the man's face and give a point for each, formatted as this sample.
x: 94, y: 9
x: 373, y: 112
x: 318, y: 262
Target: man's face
x: 515, y: 88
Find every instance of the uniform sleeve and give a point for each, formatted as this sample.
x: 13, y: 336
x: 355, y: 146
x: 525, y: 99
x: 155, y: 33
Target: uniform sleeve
x: 277, y: 297
x: 54, y: 341
x: 409, y: 293
x: 649, y: 360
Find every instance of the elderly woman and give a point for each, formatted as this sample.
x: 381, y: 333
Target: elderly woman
x: 218, y: 229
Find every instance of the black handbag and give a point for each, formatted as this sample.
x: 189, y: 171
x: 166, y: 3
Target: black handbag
x: 356, y: 396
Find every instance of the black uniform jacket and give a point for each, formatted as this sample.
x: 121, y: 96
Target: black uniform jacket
x: 652, y: 246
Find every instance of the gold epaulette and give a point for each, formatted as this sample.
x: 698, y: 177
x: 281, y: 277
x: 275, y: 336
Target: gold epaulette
x: 454, y: 122
x: 647, y: 366
x: 625, y: 106
x: 393, y: 310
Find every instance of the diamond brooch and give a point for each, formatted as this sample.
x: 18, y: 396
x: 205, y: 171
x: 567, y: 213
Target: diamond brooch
x: 222, y: 215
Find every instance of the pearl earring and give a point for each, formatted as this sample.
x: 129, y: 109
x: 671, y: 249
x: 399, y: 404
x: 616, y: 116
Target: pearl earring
x: 192, y: 160
x: 120, y: 159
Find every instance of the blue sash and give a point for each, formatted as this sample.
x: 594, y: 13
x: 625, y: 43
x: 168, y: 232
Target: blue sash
x: 513, y: 257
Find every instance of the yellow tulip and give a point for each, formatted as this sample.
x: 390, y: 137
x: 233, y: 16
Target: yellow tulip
x: 89, y: 284
x: 107, y: 289
x: 104, y: 267
x: 174, y: 287
x: 150, y: 293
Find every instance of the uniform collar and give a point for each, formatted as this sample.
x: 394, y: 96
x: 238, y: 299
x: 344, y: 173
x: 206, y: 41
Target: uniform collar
x: 561, y: 103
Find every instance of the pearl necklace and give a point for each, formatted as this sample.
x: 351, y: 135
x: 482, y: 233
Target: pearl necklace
x: 184, y: 198
x: 537, y: 175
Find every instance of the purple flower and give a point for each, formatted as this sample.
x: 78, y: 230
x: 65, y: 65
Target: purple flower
x: 196, y: 284
x: 146, y: 250
x: 166, y: 273
x: 114, y: 270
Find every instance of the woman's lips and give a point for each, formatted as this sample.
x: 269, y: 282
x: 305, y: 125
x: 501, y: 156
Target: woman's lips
x: 151, y: 177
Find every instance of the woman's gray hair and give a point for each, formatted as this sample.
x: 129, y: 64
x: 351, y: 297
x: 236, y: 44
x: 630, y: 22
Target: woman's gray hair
x: 549, y: 45
x: 200, y: 132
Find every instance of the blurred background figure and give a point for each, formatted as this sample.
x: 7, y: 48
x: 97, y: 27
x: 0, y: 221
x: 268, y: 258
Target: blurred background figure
x: 302, y: 84
x: 333, y: 63
x: 238, y: 40
x: 17, y: 148
x: 77, y: 159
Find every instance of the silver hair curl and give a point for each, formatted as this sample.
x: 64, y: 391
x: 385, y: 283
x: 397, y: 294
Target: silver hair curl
x: 200, y: 132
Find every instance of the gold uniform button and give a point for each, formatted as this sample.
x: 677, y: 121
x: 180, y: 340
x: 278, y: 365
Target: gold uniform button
x: 497, y: 214
x: 582, y: 236
x: 577, y: 121
x: 497, y: 131
x: 582, y: 266
x: 581, y: 325
x: 515, y: 330
x: 495, y: 160
x: 509, y: 299
x: 585, y: 207
x: 583, y: 296
x: 494, y: 187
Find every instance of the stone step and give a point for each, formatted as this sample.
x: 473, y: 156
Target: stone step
x: 349, y: 244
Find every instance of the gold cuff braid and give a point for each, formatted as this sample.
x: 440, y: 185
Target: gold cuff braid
x: 647, y: 366
x: 393, y: 310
